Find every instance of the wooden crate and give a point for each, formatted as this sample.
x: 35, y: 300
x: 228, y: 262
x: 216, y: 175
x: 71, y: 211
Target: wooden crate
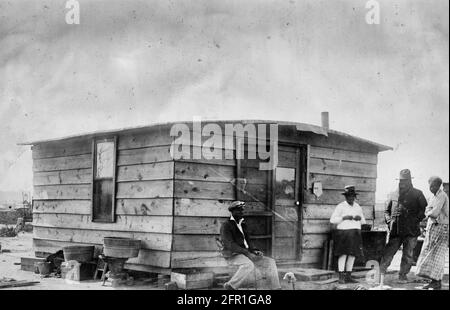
x: 194, y: 280
x: 27, y: 263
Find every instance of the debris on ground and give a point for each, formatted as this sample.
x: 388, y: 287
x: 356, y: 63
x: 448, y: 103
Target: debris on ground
x: 10, y: 282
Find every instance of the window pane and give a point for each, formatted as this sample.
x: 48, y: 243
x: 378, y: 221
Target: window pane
x: 285, y: 183
x: 103, y: 200
x: 105, y: 160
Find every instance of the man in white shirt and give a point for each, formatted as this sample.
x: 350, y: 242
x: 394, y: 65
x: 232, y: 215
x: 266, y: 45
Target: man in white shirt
x: 431, y: 262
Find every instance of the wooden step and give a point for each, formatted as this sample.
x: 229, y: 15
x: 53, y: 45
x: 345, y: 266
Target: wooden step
x: 307, y: 274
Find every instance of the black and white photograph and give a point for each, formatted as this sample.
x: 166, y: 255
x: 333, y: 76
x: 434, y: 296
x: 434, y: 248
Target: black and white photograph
x: 239, y: 146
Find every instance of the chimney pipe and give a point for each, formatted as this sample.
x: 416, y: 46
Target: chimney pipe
x: 325, y: 120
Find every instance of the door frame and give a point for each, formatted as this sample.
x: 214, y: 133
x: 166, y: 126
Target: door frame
x: 301, y: 179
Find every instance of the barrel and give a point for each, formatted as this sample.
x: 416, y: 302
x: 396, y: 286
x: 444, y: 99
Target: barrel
x: 82, y: 254
x: 121, y: 247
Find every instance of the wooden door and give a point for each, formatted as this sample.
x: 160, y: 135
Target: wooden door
x: 287, y: 205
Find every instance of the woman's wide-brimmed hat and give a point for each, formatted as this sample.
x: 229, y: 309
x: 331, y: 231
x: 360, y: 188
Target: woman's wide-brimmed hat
x: 349, y: 190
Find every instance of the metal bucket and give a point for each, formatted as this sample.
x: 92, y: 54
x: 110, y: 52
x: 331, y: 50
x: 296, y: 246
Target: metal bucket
x: 82, y: 254
x: 121, y: 247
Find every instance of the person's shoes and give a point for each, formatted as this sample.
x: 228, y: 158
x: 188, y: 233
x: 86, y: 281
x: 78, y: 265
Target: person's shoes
x: 402, y: 279
x: 349, y: 278
x: 341, y: 277
x: 228, y: 287
x: 433, y: 285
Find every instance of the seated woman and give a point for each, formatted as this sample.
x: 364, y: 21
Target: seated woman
x: 348, y: 217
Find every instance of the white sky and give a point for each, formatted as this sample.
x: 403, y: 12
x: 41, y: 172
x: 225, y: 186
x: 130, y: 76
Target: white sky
x: 132, y: 63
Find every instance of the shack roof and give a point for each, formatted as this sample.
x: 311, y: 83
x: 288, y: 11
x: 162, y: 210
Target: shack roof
x: 299, y: 127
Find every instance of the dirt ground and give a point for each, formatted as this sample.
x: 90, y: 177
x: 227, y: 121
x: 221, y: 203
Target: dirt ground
x: 17, y: 247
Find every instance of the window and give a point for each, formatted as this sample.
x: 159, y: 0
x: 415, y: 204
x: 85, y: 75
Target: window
x: 103, y: 183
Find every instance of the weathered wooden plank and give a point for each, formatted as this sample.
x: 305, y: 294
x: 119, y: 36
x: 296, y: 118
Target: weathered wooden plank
x: 323, y: 212
x: 210, y: 207
x: 79, y: 176
x: 146, y: 155
x: 195, y: 243
x: 62, y: 206
x: 154, y: 206
x: 339, y: 182
x: 335, y: 197
x: 148, y: 138
x: 63, y: 163
x: 204, y: 172
x: 205, y: 190
x: 62, y: 148
x: 197, y: 259
x: 75, y: 191
x: 158, y: 224
x: 197, y: 225
x: 145, y: 189
x: 152, y: 258
x: 155, y: 241
x: 314, y: 241
x: 343, y: 168
x: 146, y: 172
x: 316, y: 226
x: 331, y: 153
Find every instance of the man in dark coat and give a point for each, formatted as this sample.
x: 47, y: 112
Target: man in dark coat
x: 251, y: 263
x: 404, y: 211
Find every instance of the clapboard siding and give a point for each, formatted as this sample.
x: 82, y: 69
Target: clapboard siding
x: 157, y: 224
x: 149, y: 207
x: 197, y: 259
x: 335, y: 154
x: 145, y: 189
x: 71, y: 192
x: 321, y: 212
x: 335, y: 197
x: 155, y: 206
x: 342, y: 168
x: 210, y: 207
x: 64, y: 148
x: 78, y: 176
x: 145, y: 172
x: 63, y: 163
x: 339, y: 182
x: 195, y: 243
x: 197, y: 225
x: 204, y: 172
x: 144, y: 155
x: 205, y: 190
x: 82, y: 207
x: 155, y: 241
x: 148, y: 138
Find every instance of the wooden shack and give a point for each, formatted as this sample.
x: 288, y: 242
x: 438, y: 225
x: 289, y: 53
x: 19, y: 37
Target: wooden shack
x: 127, y: 183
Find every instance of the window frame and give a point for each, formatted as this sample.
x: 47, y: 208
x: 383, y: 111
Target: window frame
x: 94, y: 173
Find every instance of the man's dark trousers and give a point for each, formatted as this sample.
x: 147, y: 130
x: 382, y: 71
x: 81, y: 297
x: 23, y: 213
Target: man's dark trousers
x: 409, y: 243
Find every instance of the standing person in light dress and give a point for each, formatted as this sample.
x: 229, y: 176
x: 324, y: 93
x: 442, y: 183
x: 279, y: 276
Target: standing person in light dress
x: 348, y: 216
